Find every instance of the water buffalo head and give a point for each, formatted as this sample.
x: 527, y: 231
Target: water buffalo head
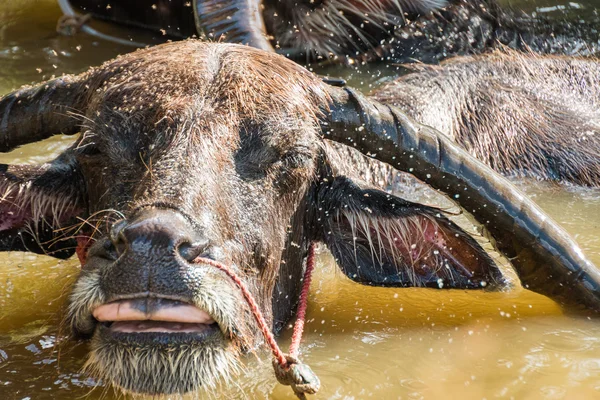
x: 193, y: 149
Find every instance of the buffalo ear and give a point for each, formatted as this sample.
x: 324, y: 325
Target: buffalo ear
x: 35, y: 203
x: 382, y: 240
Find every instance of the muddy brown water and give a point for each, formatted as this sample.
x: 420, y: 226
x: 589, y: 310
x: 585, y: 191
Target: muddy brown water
x: 363, y: 342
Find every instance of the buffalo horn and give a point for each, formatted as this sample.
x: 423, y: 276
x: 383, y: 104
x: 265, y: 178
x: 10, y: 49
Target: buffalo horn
x: 34, y: 113
x: 546, y: 259
x: 238, y: 21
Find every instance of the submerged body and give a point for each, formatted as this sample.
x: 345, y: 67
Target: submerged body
x: 418, y: 30
x: 348, y: 30
x: 522, y: 114
x: 470, y: 27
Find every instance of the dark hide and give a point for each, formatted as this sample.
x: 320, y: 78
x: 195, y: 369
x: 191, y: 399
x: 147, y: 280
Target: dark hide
x: 521, y: 114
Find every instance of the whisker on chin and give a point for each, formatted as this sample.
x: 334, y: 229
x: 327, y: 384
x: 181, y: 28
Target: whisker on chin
x: 162, y: 369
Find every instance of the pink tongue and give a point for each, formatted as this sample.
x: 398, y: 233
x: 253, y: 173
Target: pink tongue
x: 156, y: 326
x: 126, y: 311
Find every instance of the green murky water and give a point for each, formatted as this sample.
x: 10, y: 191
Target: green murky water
x: 363, y: 342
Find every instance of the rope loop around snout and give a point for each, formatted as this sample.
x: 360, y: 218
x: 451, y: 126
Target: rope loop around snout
x: 288, y: 369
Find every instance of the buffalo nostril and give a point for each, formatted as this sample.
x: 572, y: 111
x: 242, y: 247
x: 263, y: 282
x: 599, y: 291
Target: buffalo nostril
x: 110, y: 251
x: 190, y: 251
x: 117, y: 237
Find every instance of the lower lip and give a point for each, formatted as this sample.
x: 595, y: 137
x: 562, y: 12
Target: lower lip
x: 157, y: 326
x: 155, y: 333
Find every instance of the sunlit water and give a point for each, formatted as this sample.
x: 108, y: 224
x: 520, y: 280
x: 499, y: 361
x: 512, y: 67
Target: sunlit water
x: 363, y: 342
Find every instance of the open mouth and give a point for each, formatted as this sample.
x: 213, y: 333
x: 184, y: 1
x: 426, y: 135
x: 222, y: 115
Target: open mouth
x: 154, y: 315
x: 157, y: 346
x: 155, y: 326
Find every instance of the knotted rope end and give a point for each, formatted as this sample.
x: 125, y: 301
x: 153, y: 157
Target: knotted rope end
x: 299, y: 376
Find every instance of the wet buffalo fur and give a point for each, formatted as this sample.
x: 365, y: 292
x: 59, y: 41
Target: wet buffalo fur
x: 364, y: 30
x: 226, y: 137
x: 468, y: 27
x: 522, y: 114
x: 423, y: 30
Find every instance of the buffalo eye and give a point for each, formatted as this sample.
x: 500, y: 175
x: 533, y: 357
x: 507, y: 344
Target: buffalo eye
x: 299, y: 157
x: 255, y: 155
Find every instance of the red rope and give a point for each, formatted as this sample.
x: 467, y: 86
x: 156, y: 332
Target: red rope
x: 288, y: 369
x: 83, y: 245
x: 258, y: 316
x: 303, y: 302
x: 260, y: 319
